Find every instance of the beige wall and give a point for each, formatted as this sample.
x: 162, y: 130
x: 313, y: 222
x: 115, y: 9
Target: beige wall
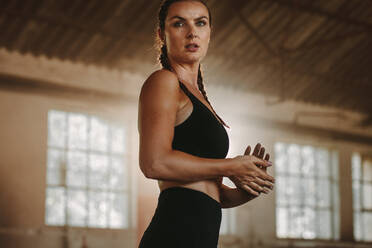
x: 23, y: 138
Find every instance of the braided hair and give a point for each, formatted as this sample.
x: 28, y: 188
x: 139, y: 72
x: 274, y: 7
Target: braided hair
x: 163, y: 57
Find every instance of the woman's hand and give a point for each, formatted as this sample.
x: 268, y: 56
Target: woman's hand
x: 254, y: 179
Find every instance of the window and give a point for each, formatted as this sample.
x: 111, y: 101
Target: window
x: 87, y: 172
x: 362, y: 197
x: 306, y: 192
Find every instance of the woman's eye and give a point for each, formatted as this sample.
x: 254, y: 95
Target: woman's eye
x: 201, y: 23
x: 178, y: 24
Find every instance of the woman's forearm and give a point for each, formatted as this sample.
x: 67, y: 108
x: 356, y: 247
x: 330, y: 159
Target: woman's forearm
x: 180, y: 166
x: 233, y: 197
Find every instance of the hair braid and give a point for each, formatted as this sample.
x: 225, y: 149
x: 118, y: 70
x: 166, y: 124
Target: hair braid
x: 202, y: 90
x: 163, y: 58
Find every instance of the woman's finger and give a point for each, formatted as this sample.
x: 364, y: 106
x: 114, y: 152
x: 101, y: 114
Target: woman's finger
x: 258, y: 161
x: 262, y: 173
x: 256, y: 150
x: 267, y: 157
x: 263, y: 183
x: 247, y: 150
x: 262, y: 152
x: 250, y: 190
x: 258, y: 188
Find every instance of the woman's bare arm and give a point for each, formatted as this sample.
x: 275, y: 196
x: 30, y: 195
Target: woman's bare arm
x: 158, y: 106
x: 233, y: 197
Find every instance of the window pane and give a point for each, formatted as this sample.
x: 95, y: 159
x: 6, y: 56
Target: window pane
x: 77, y: 169
x: 56, y: 167
x: 356, y: 166
x: 281, y: 191
x: 294, y: 155
x: 334, y: 165
x: 77, y: 208
x: 282, y: 222
x: 118, y: 174
x: 281, y: 161
x: 367, y: 218
x: 367, y: 195
x: 308, y: 166
x: 77, y: 131
x: 324, y: 224
x: 296, y: 226
x: 55, y: 206
x: 56, y: 129
x: 294, y: 190
x: 356, y: 195
x: 98, y: 135
x: 367, y: 170
x: 322, y: 163
x: 309, y: 191
x: 309, y: 223
x: 98, y: 209
x: 119, y: 211
x: 357, y: 225
x: 98, y: 174
x: 323, y: 193
x: 117, y: 140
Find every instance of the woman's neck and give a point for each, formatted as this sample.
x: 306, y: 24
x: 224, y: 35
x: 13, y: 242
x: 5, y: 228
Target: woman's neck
x: 187, y: 73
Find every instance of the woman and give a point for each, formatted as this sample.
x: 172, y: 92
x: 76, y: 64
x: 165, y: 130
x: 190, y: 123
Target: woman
x: 183, y: 142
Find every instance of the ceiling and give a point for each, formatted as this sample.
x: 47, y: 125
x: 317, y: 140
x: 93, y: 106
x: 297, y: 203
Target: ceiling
x: 312, y: 51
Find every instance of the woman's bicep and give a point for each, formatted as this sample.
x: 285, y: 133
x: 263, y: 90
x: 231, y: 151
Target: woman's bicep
x: 158, y: 105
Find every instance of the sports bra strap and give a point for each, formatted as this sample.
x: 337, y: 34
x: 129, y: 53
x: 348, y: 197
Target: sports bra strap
x: 184, y: 88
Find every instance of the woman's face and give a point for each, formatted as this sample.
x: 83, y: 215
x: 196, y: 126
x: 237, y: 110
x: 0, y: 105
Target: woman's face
x: 187, y: 31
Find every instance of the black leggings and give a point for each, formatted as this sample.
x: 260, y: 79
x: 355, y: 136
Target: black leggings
x: 183, y: 218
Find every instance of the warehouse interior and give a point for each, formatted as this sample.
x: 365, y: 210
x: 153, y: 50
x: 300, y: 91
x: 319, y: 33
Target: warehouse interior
x: 293, y: 75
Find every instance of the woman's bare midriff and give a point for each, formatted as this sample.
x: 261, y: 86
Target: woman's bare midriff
x: 209, y: 187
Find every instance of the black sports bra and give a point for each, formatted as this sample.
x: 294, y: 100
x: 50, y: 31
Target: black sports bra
x: 201, y: 134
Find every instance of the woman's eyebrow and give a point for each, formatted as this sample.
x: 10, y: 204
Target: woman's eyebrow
x: 183, y: 19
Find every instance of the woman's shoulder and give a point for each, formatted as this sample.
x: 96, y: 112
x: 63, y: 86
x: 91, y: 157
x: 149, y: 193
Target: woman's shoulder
x: 161, y: 82
x: 162, y: 78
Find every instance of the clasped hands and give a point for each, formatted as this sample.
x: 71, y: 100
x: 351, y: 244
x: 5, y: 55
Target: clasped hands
x: 253, y: 177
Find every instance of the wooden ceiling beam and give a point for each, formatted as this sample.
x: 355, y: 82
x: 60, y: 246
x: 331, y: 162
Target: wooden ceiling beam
x: 37, y: 86
x: 66, y: 22
x: 255, y: 33
x: 327, y: 42
x: 300, y: 6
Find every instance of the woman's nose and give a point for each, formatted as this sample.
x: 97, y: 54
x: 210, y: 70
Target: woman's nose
x: 191, y: 36
x: 192, y: 32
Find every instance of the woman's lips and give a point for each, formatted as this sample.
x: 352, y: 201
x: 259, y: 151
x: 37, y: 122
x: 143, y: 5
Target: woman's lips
x: 192, y: 47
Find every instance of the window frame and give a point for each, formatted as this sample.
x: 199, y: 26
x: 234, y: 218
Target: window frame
x: 333, y: 182
x: 125, y: 157
x: 360, y: 182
